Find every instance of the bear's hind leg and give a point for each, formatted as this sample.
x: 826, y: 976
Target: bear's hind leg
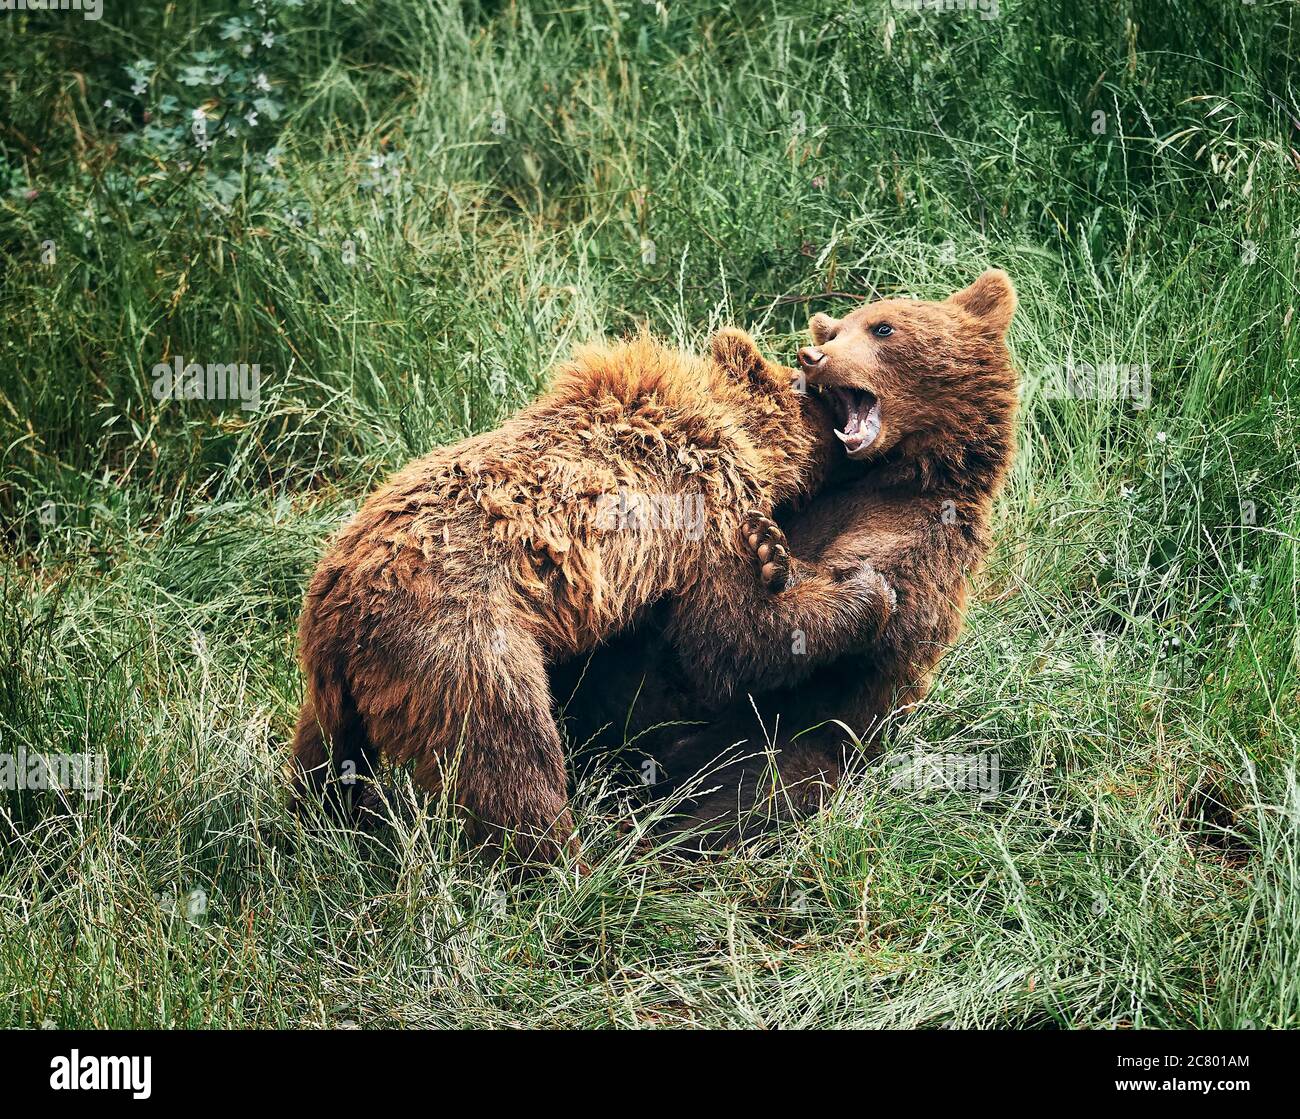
x: 335, y: 766
x: 476, y: 722
x: 743, y: 790
x: 511, y: 783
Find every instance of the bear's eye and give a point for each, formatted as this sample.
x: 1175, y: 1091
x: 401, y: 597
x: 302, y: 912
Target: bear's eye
x: 882, y: 330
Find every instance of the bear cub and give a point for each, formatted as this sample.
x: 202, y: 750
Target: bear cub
x: 923, y: 396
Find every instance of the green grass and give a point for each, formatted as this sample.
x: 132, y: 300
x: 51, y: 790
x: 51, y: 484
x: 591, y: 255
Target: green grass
x: 1131, y: 655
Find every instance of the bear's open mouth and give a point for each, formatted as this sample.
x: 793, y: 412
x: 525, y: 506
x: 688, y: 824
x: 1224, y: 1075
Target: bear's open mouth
x: 859, y: 415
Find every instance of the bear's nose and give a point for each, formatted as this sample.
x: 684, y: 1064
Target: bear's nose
x: 810, y: 357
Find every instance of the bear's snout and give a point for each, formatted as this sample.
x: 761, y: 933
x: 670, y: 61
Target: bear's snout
x: 810, y: 357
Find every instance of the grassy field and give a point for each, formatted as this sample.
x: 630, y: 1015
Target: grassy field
x: 403, y: 214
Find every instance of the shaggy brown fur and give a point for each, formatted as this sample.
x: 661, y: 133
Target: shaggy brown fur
x: 429, y: 625
x: 913, y: 507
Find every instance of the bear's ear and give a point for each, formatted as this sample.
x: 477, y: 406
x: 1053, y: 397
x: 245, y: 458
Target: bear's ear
x: 820, y: 326
x: 992, y: 298
x: 734, y: 351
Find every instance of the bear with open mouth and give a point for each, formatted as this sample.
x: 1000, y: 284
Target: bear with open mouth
x: 923, y: 398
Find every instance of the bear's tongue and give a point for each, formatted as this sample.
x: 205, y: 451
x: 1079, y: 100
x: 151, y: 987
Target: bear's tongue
x: 862, y: 421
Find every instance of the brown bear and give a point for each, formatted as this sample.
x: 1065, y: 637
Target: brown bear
x: 925, y: 398
x: 430, y: 623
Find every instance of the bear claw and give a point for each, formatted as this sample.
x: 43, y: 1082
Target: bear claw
x: 764, y: 538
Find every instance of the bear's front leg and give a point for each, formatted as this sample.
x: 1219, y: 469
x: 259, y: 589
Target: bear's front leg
x: 734, y: 635
x: 778, y: 569
x: 766, y: 540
